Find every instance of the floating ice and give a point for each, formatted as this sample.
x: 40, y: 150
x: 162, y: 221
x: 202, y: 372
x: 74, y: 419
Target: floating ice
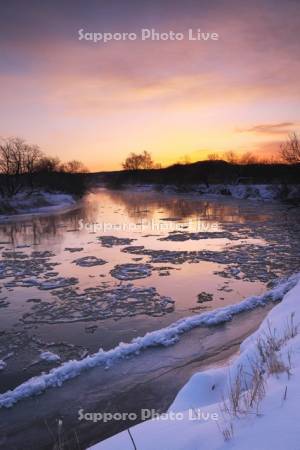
x: 110, y: 241
x: 131, y: 271
x: 14, y: 255
x: 99, y: 303
x: 42, y: 254
x: 205, y: 297
x: 185, y: 236
x: 248, y: 261
x: 25, y: 270
x: 89, y: 261
x: 163, y: 337
x: 57, y: 283
x: 49, y: 356
x: 28, y: 283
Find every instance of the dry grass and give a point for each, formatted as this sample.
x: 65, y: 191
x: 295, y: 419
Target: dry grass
x: 227, y: 431
x: 269, y: 345
x: 291, y: 329
x: 255, y: 389
x: 247, y: 389
x: 60, y: 440
x: 275, y: 365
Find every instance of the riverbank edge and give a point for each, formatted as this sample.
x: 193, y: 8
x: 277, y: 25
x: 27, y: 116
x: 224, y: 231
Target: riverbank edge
x: 213, y: 391
x: 255, y: 192
x: 41, y: 203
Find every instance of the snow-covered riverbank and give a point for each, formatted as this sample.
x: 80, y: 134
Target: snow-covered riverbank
x: 40, y: 202
x: 252, y: 403
x: 263, y: 192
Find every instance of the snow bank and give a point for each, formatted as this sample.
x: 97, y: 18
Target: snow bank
x: 265, y: 192
x: 277, y: 424
x: 163, y: 337
x: 35, y: 203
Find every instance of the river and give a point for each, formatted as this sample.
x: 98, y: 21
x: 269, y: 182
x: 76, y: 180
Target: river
x: 117, y: 266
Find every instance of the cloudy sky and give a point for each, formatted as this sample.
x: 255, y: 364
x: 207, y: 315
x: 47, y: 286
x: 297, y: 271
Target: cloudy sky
x: 97, y: 102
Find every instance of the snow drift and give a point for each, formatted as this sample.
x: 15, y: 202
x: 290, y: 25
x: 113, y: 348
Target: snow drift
x: 276, y: 425
x: 41, y: 202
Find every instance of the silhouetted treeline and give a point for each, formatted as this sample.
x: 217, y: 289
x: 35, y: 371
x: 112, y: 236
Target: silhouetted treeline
x: 24, y: 167
x: 207, y: 172
x: 71, y: 183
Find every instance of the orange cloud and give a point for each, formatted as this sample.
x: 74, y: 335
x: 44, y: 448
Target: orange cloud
x: 271, y: 128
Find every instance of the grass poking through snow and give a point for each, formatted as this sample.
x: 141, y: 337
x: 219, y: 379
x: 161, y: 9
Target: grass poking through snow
x: 246, y: 390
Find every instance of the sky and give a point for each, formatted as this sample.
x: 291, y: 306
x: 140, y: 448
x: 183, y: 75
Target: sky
x: 97, y: 102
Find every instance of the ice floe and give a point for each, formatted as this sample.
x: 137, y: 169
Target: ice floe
x: 89, y: 261
x: 49, y: 356
x: 182, y: 236
x: 205, y: 297
x: 98, y: 303
x: 163, y: 337
x: 57, y: 283
x: 250, y: 262
x: 131, y: 271
x: 25, y: 270
x: 110, y: 241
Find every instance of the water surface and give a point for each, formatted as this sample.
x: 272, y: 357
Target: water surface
x: 190, y: 255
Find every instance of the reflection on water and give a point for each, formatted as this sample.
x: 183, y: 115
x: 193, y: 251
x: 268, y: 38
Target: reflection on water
x: 132, y: 206
x: 159, y: 257
x: 37, y: 230
x: 139, y: 205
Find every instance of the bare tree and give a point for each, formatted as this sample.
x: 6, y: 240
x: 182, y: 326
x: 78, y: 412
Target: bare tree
x: 136, y: 161
x: 213, y: 157
x: 18, y: 163
x: 290, y: 150
x: 49, y: 164
x: 270, y: 160
x: 74, y: 166
x: 52, y: 164
x: 231, y: 157
x: 132, y: 162
x: 248, y: 158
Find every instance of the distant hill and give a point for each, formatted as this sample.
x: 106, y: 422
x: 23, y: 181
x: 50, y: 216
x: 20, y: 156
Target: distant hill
x: 207, y: 172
